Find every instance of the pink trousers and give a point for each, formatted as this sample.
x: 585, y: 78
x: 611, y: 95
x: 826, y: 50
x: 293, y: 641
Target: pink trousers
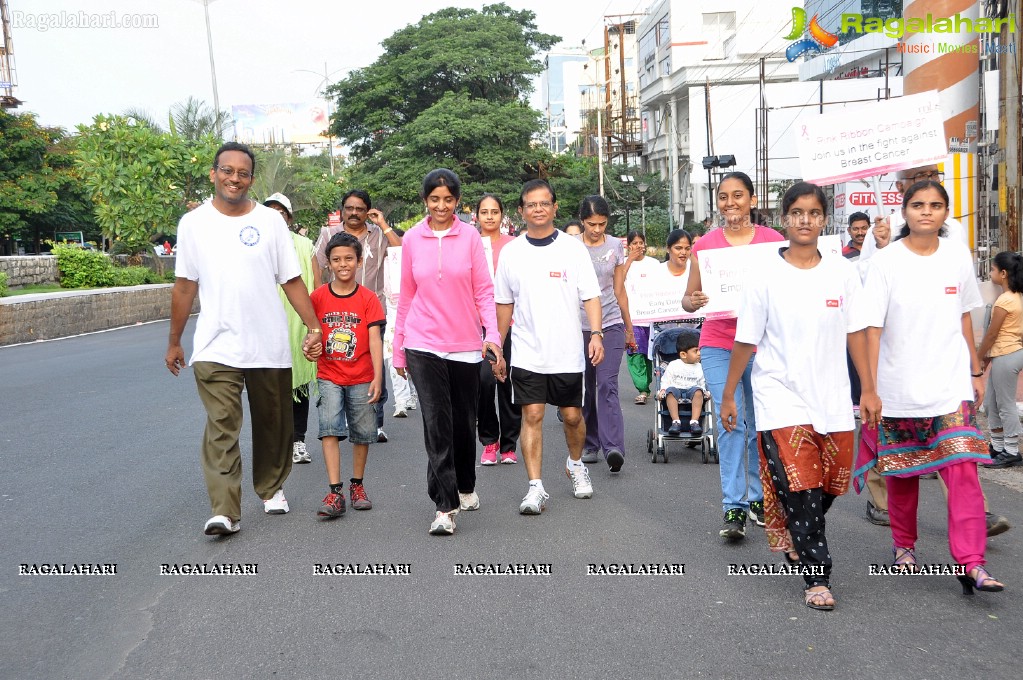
x: 967, y: 525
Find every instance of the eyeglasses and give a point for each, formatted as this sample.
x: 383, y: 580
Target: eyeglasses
x: 355, y: 209
x: 546, y: 205
x: 936, y: 175
x: 231, y: 172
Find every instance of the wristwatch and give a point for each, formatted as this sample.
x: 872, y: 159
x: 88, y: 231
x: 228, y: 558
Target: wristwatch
x: 600, y: 333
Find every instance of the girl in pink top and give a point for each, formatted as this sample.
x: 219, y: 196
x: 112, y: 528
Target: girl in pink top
x: 446, y: 323
x: 742, y: 494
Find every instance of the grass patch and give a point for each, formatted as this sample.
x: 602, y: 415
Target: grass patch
x: 34, y: 288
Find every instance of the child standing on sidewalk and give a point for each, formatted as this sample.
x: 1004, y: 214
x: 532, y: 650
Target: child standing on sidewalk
x: 349, y: 372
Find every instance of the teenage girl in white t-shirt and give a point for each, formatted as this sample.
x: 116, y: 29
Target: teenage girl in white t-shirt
x: 919, y: 293
x: 799, y: 313
x: 1002, y: 348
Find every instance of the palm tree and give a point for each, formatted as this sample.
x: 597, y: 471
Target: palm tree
x: 191, y: 119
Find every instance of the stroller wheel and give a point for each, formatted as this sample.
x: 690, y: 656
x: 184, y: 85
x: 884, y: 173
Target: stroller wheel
x: 650, y: 441
x: 661, y: 451
x: 704, y: 451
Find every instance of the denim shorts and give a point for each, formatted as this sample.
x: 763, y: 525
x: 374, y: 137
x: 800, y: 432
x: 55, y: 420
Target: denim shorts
x: 345, y: 412
x: 680, y: 394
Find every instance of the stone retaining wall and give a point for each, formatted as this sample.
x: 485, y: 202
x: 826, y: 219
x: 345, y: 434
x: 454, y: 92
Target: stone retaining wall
x: 26, y: 270
x: 25, y: 318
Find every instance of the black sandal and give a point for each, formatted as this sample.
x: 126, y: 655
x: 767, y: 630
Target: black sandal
x: 982, y: 581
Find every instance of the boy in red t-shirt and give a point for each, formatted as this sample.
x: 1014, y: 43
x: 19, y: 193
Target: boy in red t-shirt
x: 349, y: 372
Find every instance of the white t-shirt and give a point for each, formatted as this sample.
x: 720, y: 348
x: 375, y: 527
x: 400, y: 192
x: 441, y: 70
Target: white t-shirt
x: 238, y: 263
x: 956, y: 232
x: 799, y: 319
x: 924, y: 364
x: 546, y: 283
x: 683, y: 376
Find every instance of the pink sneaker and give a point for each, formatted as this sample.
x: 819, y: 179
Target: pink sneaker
x: 489, y: 456
x: 508, y: 458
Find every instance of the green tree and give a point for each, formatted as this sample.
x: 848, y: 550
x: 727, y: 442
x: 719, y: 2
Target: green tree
x: 192, y: 119
x: 140, y: 180
x: 450, y: 91
x: 28, y: 183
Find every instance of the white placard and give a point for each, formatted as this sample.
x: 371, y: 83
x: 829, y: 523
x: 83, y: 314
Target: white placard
x: 874, y: 139
x: 656, y: 295
x: 725, y: 271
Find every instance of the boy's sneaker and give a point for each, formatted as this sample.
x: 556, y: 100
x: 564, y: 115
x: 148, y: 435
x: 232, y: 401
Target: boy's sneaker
x: 735, y: 525
x: 381, y: 436
x: 695, y: 429
x: 360, y: 501
x: 590, y: 457
x: 756, y: 512
x: 534, y: 502
x: 468, y: 501
x: 489, y: 456
x: 615, y: 460
x: 299, y: 454
x: 221, y: 525
x: 399, y: 412
x: 580, y: 476
x: 278, y: 505
x: 443, y: 523
x: 333, y: 505
x: 509, y: 458
x: 675, y: 429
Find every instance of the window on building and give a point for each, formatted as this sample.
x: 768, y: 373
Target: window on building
x: 663, y: 31
x: 718, y: 27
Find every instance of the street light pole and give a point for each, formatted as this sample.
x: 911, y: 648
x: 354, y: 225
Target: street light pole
x: 213, y: 68
x: 643, y: 186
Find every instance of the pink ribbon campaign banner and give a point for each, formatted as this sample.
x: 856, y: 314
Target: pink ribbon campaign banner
x: 656, y: 295
x: 725, y: 271
x: 872, y: 139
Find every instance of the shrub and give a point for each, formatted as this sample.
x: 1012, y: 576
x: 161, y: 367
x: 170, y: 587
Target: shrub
x: 81, y: 268
x: 3, y: 284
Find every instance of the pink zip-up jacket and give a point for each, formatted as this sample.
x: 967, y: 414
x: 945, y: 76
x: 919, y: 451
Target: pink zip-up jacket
x: 446, y: 292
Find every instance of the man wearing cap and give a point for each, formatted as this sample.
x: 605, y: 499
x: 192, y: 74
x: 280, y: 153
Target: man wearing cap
x: 359, y: 219
x: 233, y: 253
x: 303, y: 371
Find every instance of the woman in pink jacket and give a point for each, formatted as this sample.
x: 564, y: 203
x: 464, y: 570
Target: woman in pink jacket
x: 445, y: 326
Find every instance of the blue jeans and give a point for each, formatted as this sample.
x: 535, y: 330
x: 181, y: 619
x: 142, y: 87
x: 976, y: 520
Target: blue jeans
x: 737, y: 450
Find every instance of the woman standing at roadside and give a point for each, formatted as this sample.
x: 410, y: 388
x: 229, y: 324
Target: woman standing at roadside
x: 1002, y: 348
x: 602, y: 409
x: 742, y: 493
x: 446, y: 295
x: 638, y: 265
x: 498, y: 426
x: 919, y: 292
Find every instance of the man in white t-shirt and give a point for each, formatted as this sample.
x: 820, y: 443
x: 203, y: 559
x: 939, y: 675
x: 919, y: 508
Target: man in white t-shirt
x: 542, y: 278
x: 233, y: 253
x: 893, y: 224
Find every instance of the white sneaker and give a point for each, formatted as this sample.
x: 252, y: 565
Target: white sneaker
x: 399, y: 412
x: 299, y: 453
x: 278, y: 505
x: 221, y: 525
x: 468, y: 501
x: 535, y: 501
x: 580, y: 476
x: 443, y: 523
x: 411, y: 405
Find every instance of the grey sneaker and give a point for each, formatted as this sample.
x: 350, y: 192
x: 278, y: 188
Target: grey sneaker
x: 590, y: 457
x: 535, y: 501
x: 443, y: 523
x: 580, y: 476
x: 299, y: 454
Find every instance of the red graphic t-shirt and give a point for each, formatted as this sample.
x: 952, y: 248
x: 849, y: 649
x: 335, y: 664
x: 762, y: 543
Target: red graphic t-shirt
x: 346, y: 320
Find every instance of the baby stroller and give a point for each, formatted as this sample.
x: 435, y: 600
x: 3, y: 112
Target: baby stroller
x: 663, y: 338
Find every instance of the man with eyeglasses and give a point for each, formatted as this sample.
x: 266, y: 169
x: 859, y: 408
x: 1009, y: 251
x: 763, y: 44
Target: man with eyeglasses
x: 233, y: 253
x: 361, y: 220
x: 892, y: 224
x: 541, y: 279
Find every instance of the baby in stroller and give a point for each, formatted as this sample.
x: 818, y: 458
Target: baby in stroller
x: 683, y: 382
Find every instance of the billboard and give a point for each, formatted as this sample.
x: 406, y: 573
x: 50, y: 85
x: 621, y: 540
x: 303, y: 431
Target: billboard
x: 289, y: 123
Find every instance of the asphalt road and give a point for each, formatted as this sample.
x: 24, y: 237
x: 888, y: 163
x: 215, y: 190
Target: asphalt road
x: 100, y: 464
